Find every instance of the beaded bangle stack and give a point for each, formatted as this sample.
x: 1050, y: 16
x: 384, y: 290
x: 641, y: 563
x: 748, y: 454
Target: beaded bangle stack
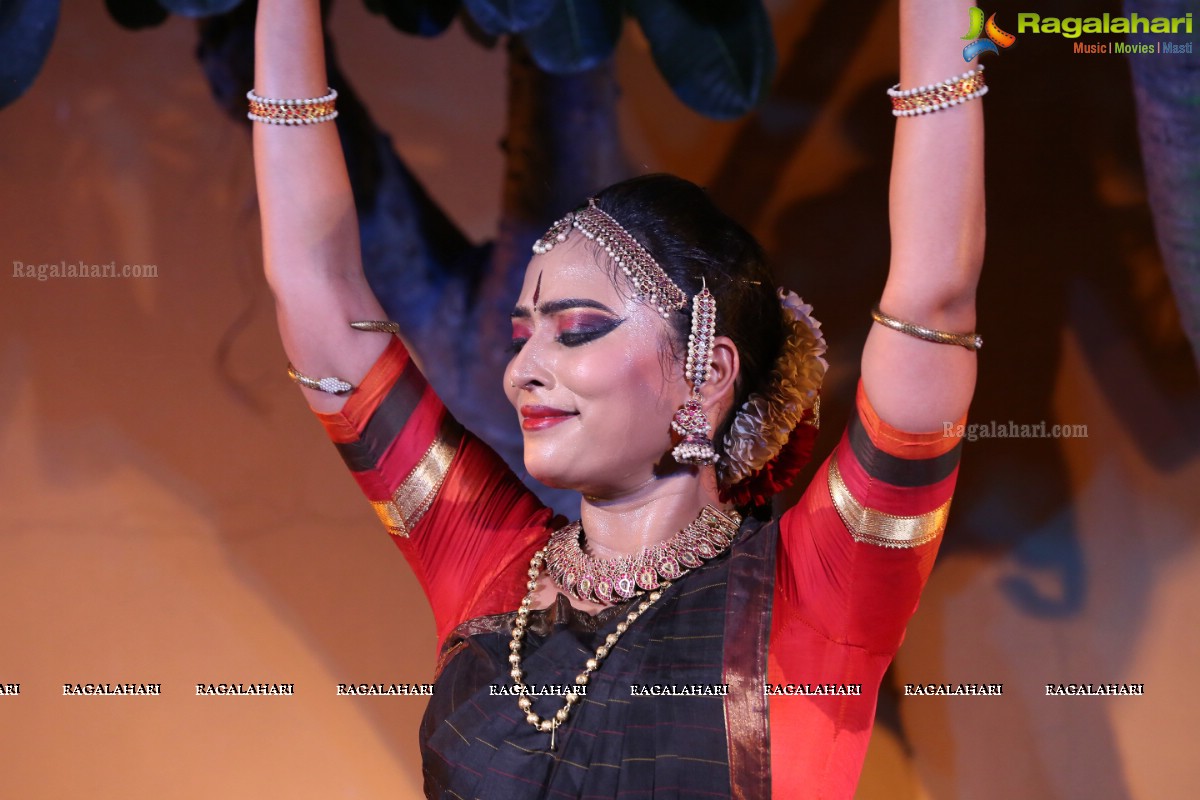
x: 292, y: 112
x: 937, y: 96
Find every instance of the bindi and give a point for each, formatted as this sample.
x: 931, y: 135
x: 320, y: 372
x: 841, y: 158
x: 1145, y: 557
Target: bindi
x: 537, y: 291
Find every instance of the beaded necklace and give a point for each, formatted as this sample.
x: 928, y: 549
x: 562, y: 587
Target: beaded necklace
x: 652, y: 570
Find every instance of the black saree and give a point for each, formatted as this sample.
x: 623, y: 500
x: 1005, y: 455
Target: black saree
x: 709, y: 630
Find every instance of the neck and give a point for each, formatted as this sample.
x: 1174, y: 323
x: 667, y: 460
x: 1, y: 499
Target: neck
x: 643, y: 517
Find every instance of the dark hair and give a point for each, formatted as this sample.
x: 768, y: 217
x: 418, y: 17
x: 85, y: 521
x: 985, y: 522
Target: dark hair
x: 695, y: 243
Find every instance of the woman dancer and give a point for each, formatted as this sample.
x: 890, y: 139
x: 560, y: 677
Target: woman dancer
x: 657, y: 372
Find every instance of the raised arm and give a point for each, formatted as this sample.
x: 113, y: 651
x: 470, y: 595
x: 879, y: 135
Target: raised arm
x: 310, y: 233
x: 937, y: 230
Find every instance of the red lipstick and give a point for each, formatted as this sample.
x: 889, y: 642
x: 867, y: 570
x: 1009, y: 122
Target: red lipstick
x: 536, y: 418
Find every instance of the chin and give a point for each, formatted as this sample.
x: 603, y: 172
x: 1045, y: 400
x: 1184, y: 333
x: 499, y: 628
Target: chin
x: 562, y: 470
x: 548, y: 475
x: 543, y: 468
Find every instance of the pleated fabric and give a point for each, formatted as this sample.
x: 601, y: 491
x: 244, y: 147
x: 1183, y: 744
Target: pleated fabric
x: 616, y: 744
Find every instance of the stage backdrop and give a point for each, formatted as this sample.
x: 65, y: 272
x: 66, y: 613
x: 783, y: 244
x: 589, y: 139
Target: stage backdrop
x: 171, y: 514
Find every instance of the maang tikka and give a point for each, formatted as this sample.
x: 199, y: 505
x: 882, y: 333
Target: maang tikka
x: 690, y: 422
x: 650, y: 282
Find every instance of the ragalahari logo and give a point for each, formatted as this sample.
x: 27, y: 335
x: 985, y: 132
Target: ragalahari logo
x: 996, y: 38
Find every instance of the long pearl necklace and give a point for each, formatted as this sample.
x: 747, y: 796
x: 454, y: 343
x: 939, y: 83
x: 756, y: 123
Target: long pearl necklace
x: 710, y: 521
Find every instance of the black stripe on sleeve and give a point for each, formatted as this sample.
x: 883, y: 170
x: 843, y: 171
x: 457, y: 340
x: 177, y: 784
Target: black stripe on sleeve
x: 387, y: 421
x: 899, y: 471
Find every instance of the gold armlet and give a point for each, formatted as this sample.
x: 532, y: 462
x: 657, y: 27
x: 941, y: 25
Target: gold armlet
x: 419, y: 489
x: 877, y: 527
x: 971, y: 341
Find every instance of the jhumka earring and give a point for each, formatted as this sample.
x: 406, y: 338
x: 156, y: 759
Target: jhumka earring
x: 689, y: 421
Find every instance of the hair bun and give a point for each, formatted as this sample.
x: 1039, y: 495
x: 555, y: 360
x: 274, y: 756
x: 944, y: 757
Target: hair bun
x: 772, y: 434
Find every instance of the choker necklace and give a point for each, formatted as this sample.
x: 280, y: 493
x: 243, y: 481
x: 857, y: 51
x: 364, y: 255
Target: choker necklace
x: 706, y: 537
x: 609, y: 580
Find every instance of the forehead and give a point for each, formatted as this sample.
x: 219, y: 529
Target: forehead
x: 574, y: 268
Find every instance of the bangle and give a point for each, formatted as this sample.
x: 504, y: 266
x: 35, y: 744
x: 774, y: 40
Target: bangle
x: 971, y: 341
x: 292, y: 111
x: 377, y: 326
x: 334, y: 385
x: 328, y: 385
x: 937, y: 96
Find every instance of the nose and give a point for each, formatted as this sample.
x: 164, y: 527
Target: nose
x: 529, y: 367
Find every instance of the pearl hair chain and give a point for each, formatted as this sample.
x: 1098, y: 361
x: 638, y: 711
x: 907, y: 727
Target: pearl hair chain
x: 649, y: 280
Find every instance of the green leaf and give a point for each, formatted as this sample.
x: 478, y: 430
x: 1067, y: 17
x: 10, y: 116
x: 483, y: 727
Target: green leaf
x: 199, y: 8
x: 578, y: 35
x: 136, y: 14
x: 420, y: 17
x: 26, y: 31
x: 508, y: 16
x: 717, y: 55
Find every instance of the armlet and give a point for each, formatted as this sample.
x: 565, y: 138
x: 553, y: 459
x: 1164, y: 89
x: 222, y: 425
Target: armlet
x: 878, y: 527
x: 420, y: 487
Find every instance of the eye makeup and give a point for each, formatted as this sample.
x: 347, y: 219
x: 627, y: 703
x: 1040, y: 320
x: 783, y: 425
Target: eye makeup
x: 578, y: 329
x: 520, y: 335
x: 574, y: 321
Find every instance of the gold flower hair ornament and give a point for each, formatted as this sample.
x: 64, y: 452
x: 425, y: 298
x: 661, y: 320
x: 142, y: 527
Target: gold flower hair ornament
x: 766, y: 421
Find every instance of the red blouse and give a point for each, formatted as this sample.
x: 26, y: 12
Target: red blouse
x: 854, y: 553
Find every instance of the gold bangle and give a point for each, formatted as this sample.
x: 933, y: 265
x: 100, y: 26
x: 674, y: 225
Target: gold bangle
x: 329, y: 385
x: 971, y: 341
x: 377, y: 326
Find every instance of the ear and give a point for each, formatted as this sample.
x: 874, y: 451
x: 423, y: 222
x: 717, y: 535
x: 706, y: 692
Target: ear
x: 718, y: 392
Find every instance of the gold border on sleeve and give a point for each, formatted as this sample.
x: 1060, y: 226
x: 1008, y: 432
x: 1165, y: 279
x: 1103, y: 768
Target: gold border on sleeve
x: 417, y: 492
x: 877, y: 527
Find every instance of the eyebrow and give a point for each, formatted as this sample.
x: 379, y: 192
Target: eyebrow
x: 555, y: 306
